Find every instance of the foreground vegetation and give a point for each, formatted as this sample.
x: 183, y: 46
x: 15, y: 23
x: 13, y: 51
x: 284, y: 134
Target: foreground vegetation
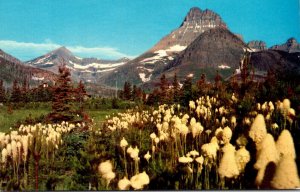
x: 226, y: 135
x: 213, y: 143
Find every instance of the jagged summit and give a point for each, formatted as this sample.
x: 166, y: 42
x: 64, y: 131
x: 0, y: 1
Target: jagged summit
x: 290, y: 46
x: 193, y: 14
x: 196, y: 15
x: 257, y: 45
x: 195, y: 22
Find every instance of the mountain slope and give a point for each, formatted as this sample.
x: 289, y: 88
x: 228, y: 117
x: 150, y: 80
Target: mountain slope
x: 86, y: 69
x: 148, y: 65
x: 13, y: 69
x: 215, y: 49
x: 276, y: 60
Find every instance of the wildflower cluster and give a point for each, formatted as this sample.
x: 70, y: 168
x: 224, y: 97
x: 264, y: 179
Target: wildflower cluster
x: 199, y: 139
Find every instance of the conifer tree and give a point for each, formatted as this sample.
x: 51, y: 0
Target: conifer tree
x: 2, y: 92
x: 134, y: 93
x: 186, y: 91
x: 201, y: 84
x: 16, y: 92
x: 127, y: 91
x: 175, y: 88
x: 24, y: 90
x: 63, y: 108
x: 80, y: 94
x: 163, y: 85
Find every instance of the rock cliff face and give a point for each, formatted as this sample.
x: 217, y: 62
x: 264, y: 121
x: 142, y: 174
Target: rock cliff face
x: 257, y: 45
x: 196, y: 22
x: 290, y: 46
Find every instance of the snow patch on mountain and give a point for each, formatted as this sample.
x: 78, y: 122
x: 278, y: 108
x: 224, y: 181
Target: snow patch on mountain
x: 160, y: 54
x: 144, y: 68
x: 144, y: 78
x: 37, y: 78
x: 105, y: 70
x: 224, y: 67
x: 96, y: 65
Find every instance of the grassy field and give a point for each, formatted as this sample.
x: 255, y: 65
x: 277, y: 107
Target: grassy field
x: 99, y: 115
x: 8, y: 120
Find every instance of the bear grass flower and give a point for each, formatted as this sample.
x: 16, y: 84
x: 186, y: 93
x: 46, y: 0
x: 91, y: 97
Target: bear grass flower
x: 196, y: 127
x: 194, y: 153
x: 267, y: 154
x: 4, y: 154
x: 147, y: 156
x: 228, y: 167
x: 123, y: 143
x: 286, y: 174
x: 285, y: 144
x: 139, y: 180
x: 192, y: 105
x: 152, y: 136
x: 242, y: 157
x: 185, y: 159
x: 105, y: 169
x: 124, y: 184
x: 258, y: 129
x: 226, y: 135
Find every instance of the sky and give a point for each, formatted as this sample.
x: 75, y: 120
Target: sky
x: 111, y: 29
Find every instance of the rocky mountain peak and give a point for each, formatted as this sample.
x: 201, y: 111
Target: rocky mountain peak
x: 290, y: 46
x: 206, y: 17
x: 291, y: 42
x: 62, y: 51
x: 192, y: 15
x: 195, y: 22
x: 257, y: 45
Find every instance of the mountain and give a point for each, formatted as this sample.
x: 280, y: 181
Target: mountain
x: 290, y: 46
x: 257, y: 45
x: 151, y: 63
x: 277, y: 61
x: 13, y: 69
x: 215, y: 49
x: 86, y: 69
x: 195, y: 23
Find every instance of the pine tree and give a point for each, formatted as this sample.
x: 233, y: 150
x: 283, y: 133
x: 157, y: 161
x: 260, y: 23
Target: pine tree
x: 175, y: 88
x: 2, y: 92
x: 186, y: 91
x: 163, y: 85
x: 16, y: 92
x: 201, y: 84
x: 218, y: 79
x: 80, y: 94
x: 134, y: 93
x: 127, y: 91
x: 24, y: 90
x: 63, y: 108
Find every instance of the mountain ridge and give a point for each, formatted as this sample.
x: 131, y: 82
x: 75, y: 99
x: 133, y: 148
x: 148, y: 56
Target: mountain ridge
x: 85, y: 69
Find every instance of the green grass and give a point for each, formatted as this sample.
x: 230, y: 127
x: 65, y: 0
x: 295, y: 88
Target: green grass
x: 99, y: 115
x: 9, y: 120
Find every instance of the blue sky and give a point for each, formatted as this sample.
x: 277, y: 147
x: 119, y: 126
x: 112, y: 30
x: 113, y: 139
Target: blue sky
x: 110, y: 29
